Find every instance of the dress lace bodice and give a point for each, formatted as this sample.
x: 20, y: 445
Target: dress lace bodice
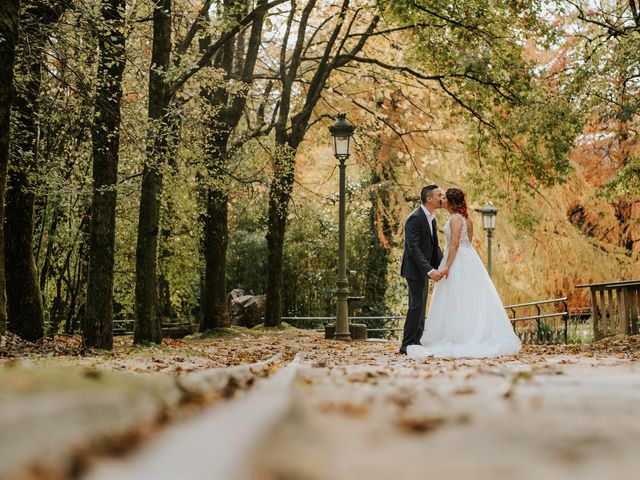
x: 464, y: 235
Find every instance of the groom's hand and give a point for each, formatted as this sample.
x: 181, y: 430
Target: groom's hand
x: 435, y: 275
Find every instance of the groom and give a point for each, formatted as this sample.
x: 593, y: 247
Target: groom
x: 420, y: 260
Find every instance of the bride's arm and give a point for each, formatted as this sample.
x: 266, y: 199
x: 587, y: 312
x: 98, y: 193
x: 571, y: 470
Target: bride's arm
x: 456, y: 232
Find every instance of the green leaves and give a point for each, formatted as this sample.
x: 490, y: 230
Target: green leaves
x: 521, y: 126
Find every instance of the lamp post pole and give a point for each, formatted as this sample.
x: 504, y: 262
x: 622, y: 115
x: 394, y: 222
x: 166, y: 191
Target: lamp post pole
x: 342, y: 317
x: 489, y: 237
x: 342, y: 131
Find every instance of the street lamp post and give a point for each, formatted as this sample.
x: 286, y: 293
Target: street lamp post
x: 342, y: 131
x: 489, y: 214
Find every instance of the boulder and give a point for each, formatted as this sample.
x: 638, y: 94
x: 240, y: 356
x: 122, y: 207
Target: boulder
x: 247, y: 310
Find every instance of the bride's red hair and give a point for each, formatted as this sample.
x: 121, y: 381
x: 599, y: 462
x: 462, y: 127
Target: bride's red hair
x: 457, y: 201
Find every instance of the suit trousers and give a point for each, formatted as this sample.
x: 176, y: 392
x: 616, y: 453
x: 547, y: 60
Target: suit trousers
x: 414, y: 323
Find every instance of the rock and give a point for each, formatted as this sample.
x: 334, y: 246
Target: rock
x: 232, y: 296
x: 247, y: 310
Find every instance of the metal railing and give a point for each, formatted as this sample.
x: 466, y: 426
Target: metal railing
x: 323, y: 321
x: 125, y: 326
x: 542, y: 335
x: 392, y: 323
x: 539, y: 316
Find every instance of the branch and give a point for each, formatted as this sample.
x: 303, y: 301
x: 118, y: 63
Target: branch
x: 634, y: 11
x: 213, y: 48
x: 195, y: 26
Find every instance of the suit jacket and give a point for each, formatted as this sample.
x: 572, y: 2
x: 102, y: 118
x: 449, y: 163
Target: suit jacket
x: 421, y: 250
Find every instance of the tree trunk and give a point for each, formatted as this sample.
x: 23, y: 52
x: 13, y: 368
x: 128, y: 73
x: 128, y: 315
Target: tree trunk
x: 106, y: 143
x: 167, y: 213
x: 77, y: 276
x: 214, y: 301
x: 8, y: 38
x: 279, y: 196
x: 239, y: 64
x: 375, y: 286
x: 380, y: 240
x: 148, y: 326
x: 24, y: 303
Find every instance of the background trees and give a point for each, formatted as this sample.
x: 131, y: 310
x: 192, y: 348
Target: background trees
x: 205, y: 128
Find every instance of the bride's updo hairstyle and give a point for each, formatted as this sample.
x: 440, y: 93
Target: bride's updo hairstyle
x: 457, y: 201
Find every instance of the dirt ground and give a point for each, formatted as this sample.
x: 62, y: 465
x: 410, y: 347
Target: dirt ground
x: 239, y: 346
x: 363, y: 411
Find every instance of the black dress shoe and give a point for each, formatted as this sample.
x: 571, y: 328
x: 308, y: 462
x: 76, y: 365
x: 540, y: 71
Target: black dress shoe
x: 403, y: 351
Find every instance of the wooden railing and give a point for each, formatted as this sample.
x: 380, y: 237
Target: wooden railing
x: 615, y: 308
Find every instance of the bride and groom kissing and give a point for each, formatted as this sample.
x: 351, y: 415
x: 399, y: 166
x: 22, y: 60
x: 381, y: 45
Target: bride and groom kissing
x: 466, y: 316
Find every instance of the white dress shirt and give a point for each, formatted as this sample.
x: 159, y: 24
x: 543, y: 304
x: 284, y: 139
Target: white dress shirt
x: 430, y: 217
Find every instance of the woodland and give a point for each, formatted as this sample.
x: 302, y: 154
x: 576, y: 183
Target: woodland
x: 155, y: 155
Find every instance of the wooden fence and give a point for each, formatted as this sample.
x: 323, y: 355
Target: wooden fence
x: 615, y: 308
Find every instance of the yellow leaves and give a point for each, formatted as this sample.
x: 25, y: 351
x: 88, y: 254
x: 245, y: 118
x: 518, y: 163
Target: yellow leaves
x: 354, y: 409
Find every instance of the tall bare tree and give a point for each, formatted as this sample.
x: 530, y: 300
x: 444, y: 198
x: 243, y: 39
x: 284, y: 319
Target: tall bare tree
x: 342, y: 44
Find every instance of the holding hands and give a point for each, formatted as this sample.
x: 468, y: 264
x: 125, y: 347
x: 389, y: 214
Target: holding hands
x: 437, y: 275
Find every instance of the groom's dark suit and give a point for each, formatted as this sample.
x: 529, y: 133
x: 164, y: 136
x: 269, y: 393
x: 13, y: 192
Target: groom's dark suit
x: 421, y: 254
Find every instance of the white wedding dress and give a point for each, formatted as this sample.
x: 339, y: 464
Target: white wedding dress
x: 466, y: 317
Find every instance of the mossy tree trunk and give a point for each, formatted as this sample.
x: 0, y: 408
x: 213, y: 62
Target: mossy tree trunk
x: 226, y: 112
x: 148, y: 325
x: 9, y: 21
x: 98, y: 331
x: 24, y: 303
x: 380, y: 231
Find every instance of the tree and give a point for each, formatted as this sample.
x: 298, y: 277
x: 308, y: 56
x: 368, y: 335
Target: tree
x: 98, y: 327
x: 148, y: 327
x: 341, y: 45
x: 602, y: 70
x: 224, y: 113
x: 8, y: 38
x: 148, y: 225
x: 24, y: 302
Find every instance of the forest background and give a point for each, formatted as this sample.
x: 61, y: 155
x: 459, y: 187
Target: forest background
x: 158, y: 155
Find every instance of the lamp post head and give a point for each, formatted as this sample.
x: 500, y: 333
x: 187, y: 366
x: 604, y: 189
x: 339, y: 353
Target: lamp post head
x: 342, y: 131
x: 489, y: 214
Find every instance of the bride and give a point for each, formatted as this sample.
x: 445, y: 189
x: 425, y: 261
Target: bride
x: 466, y: 317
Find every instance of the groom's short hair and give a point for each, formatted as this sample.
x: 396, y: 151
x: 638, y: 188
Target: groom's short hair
x: 427, y: 191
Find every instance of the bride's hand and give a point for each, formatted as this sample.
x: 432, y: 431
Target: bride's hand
x: 444, y: 272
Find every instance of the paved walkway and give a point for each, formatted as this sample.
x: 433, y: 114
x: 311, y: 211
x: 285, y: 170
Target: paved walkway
x: 342, y: 412
x: 561, y: 417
